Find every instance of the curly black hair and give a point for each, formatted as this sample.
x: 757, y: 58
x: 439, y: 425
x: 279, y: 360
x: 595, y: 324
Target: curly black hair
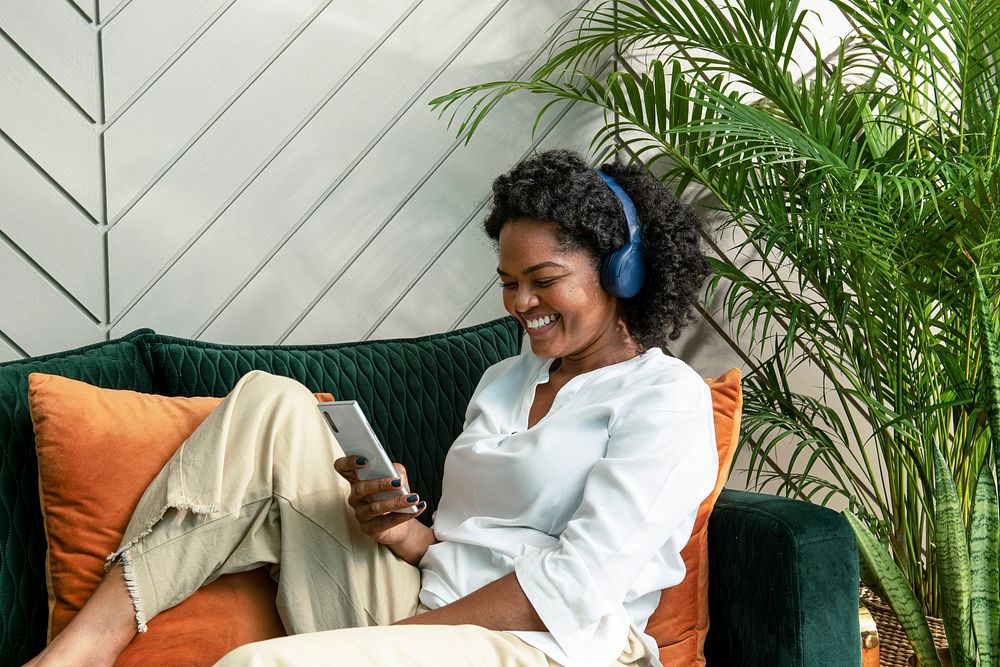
x: 559, y: 186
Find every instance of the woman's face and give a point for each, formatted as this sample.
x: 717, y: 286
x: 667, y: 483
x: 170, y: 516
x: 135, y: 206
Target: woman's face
x: 556, y: 294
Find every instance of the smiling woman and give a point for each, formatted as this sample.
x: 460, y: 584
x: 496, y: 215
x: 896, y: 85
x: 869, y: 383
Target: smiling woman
x: 566, y: 499
x: 581, y: 461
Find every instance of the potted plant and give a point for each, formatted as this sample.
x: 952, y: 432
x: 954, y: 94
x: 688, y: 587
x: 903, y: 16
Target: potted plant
x: 968, y: 561
x: 858, y: 187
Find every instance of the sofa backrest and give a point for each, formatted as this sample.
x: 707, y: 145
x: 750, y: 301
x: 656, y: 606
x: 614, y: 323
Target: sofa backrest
x: 116, y: 364
x: 414, y: 391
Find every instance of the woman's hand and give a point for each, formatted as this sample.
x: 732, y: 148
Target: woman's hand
x: 408, y: 539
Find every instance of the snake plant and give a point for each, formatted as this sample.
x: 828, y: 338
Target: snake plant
x: 966, y: 557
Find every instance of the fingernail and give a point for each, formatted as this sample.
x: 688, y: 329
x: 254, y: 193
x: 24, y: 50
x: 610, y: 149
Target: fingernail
x: 397, y: 482
x: 421, y: 505
x: 411, y: 498
x: 359, y: 461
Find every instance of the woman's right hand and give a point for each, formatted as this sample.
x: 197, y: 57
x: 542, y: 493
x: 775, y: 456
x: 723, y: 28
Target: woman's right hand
x: 376, y: 517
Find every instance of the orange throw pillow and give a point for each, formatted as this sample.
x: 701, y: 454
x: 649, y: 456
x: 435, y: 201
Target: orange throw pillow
x: 98, y: 449
x: 680, y: 622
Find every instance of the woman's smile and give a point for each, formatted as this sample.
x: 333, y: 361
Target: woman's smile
x: 555, y: 292
x: 537, y: 326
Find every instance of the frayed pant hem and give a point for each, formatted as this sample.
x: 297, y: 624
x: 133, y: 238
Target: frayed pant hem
x: 128, y: 573
x: 124, y: 554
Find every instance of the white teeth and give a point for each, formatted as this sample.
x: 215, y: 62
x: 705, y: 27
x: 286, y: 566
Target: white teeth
x: 541, y: 321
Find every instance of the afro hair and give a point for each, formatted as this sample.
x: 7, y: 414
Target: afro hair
x: 559, y: 186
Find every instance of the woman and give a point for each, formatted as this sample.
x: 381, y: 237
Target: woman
x: 566, y: 499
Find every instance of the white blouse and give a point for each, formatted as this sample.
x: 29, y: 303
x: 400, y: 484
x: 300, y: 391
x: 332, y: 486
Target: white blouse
x: 590, y: 507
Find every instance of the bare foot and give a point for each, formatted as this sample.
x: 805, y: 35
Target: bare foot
x: 99, y: 632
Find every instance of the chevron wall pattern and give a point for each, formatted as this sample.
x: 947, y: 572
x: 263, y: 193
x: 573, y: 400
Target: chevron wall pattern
x: 252, y: 170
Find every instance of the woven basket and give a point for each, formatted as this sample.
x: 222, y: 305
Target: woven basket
x: 894, y: 647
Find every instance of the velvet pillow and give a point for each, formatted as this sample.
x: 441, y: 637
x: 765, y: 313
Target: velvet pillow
x: 98, y: 449
x: 680, y: 622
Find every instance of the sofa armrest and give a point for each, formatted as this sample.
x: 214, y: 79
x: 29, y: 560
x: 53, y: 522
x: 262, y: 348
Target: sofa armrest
x: 783, y: 584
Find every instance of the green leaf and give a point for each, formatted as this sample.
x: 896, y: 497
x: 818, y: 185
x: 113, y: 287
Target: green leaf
x: 985, y: 559
x: 870, y: 579
x: 898, y: 594
x: 992, y: 353
x: 952, y: 555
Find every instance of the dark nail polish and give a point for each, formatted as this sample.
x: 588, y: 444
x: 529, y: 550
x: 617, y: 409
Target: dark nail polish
x: 397, y: 483
x: 421, y: 505
x: 360, y: 461
x: 411, y: 498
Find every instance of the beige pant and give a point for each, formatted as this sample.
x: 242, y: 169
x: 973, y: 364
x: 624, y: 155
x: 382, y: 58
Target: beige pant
x: 255, y: 485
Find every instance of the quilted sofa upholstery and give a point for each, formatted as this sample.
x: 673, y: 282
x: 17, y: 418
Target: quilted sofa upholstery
x: 783, y: 575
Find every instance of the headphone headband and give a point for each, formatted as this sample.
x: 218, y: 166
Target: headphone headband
x: 628, y: 206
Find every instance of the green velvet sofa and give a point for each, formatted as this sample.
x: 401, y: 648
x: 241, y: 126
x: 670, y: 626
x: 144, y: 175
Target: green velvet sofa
x: 783, y: 574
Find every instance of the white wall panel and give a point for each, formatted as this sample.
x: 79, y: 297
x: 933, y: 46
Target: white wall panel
x: 198, y: 88
x: 489, y: 307
x: 47, y: 127
x: 53, y: 232
x: 108, y: 6
x: 85, y: 7
x: 35, y: 315
x: 449, y: 285
x: 367, y: 197
x: 701, y: 345
x: 7, y: 353
x: 414, y: 234
x: 143, y: 37
x: 311, y: 164
x: 63, y: 44
x: 289, y: 153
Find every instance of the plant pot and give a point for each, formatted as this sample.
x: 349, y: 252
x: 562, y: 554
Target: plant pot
x: 894, y: 647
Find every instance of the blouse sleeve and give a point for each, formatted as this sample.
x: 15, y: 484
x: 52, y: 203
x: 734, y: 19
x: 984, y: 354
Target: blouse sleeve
x: 660, y: 464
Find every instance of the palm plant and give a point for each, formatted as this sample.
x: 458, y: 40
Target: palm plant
x: 859, y: 193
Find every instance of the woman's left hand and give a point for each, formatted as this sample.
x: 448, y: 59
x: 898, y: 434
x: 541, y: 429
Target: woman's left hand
x: 378, y: 518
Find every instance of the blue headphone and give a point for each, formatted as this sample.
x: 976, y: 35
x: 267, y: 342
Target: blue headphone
x: 623, y: 271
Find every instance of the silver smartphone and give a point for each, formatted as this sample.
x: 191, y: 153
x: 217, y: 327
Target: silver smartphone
x: 357, y: 438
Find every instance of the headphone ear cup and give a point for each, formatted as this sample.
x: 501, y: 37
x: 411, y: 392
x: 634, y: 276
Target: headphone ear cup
x: 623, y: 272
x: 607, y: 274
